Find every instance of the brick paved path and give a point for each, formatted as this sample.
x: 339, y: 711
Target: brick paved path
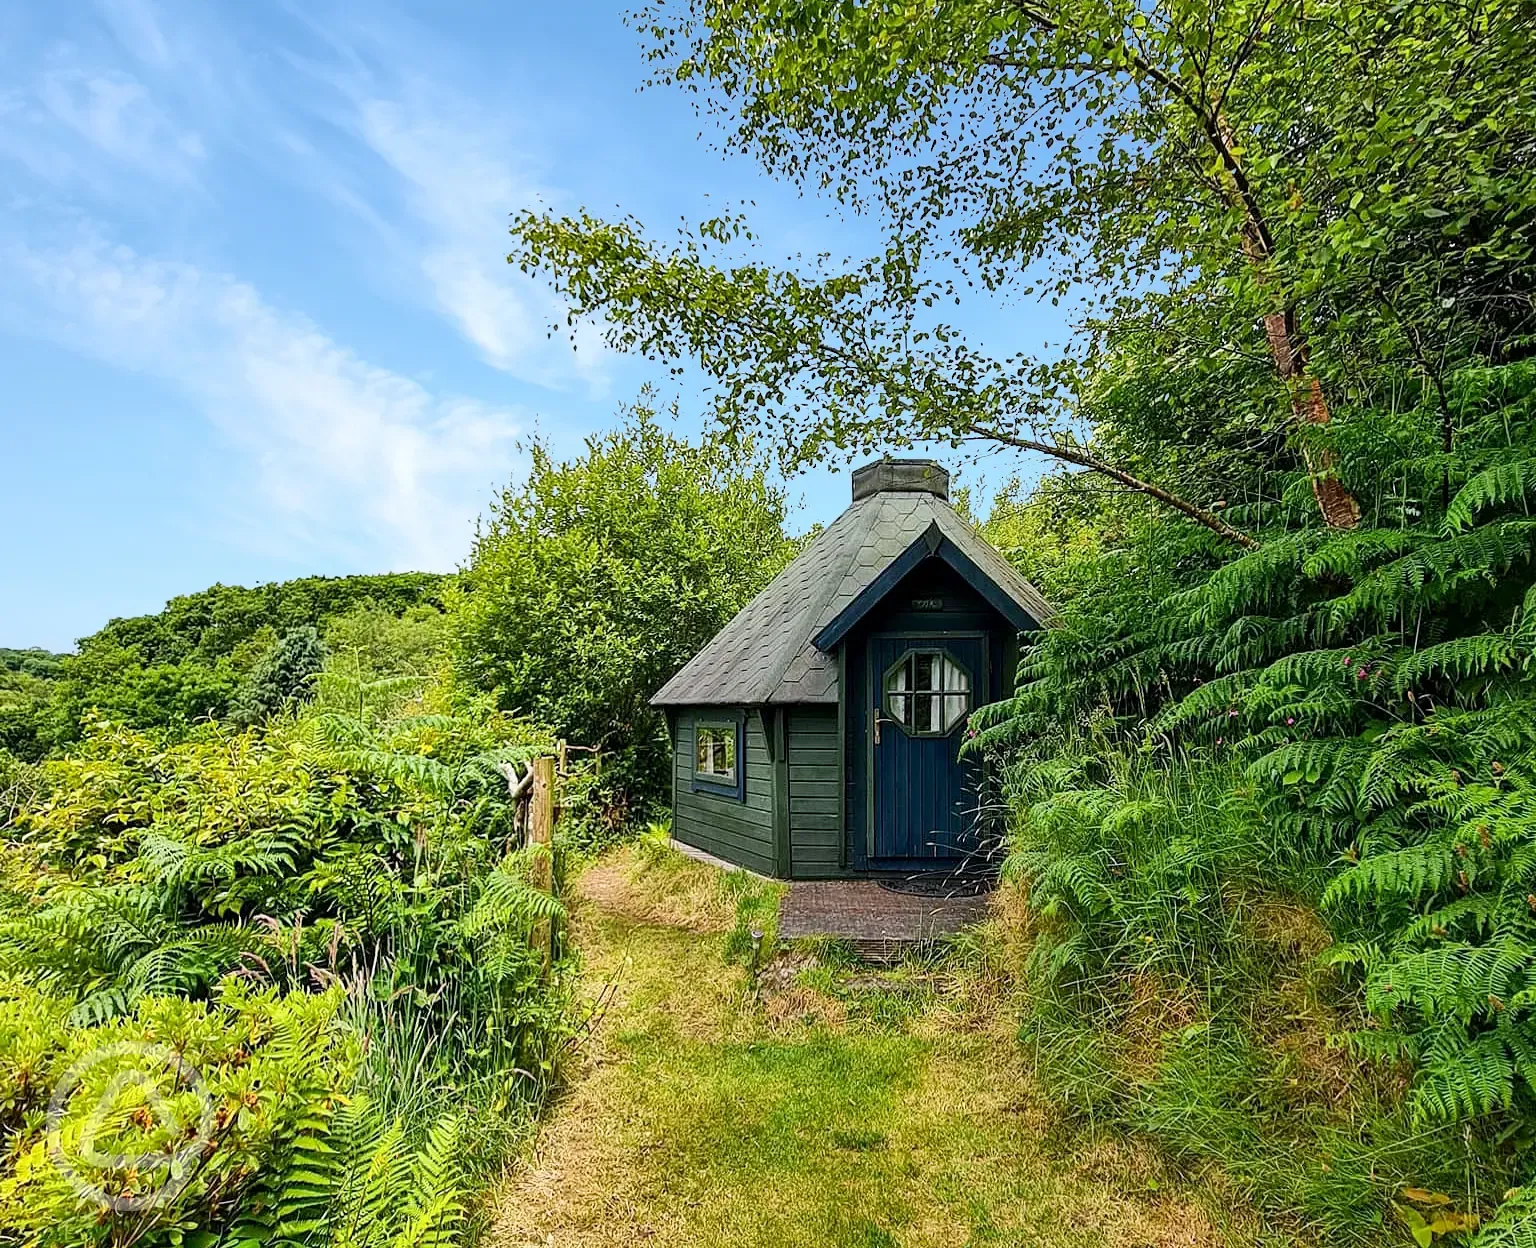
x: 879, y: 923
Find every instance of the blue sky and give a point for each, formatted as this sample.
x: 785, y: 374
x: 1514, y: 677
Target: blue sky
x: 255, y: 316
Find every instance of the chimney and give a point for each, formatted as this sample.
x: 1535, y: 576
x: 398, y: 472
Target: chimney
x: 901, y: 476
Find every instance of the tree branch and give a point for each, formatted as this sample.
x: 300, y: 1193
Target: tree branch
x: 1308, y: 403
x: 1081, y: 458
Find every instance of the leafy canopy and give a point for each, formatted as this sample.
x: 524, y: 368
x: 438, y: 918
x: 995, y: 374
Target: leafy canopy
x: 1194, y: 175
x: 598, y: 578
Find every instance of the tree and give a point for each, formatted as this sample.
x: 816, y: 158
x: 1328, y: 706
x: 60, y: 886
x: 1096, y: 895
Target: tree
x: 1338, y: 188
x: 283, y: 679
x: 598, y: 578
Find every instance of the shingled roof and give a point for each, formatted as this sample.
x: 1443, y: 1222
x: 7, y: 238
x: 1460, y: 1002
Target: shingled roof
x: 900, y: 514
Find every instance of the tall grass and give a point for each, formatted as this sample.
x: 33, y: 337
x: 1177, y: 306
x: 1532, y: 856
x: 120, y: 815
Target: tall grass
x: 1182, y: 991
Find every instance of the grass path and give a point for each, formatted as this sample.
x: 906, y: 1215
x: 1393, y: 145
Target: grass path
x: 841, y: 1109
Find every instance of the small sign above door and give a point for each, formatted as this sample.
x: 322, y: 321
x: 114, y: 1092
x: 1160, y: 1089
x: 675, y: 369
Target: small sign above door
x: 927, y: 604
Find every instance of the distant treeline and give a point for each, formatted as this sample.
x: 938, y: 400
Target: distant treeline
x: 34, y: 661
x: 214, y: 623
x: 184, y: 663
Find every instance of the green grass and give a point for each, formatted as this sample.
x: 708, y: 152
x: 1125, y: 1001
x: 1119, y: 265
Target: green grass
x: 1180, y: 991
x: 838, y: 1108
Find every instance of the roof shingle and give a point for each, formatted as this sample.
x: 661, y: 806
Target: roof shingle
x: 765, y: 654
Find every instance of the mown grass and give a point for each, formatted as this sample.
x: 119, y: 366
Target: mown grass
x: 831, y: 1106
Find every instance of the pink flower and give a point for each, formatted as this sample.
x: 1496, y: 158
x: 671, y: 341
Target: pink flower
x: 1290, y: 719
x: 1231, y: 714
x: 1218, y: 740
x: 1361, y: 674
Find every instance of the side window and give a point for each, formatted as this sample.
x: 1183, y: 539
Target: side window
x: 718, y: 764
x: 927, y: 693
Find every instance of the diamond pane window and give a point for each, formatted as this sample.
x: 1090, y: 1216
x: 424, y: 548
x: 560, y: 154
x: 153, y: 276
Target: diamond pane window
x: 927, y: 693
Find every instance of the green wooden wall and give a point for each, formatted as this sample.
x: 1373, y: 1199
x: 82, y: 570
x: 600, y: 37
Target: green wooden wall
x: 744, y: 832
x: 815, y: 814
x: 739, y: 832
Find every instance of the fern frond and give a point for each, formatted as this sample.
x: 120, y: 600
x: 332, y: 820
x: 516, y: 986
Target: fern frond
x: 1502, y: 485
x: 434, y: 1213
x: 1407, y: 874
x: 1485, y: 654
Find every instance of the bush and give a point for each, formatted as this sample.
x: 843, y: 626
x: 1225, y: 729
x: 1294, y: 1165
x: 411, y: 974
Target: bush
x: 171, y: 1116
x: 600, y: 577
x: 356, y: 874
x: 283, y: 679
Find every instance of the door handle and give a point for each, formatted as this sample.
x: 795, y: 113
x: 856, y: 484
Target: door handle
x: 880, y: 719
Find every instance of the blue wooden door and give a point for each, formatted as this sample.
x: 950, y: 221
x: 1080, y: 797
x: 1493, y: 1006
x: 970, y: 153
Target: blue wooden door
x: 923, y: 795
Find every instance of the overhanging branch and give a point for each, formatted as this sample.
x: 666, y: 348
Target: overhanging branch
x: 1081, y: 458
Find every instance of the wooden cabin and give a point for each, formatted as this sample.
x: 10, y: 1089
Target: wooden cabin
x: 818, y: 735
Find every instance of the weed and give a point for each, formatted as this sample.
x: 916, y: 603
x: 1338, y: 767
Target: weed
x: 757, y: 914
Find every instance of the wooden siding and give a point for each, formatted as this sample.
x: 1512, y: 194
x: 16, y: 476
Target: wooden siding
x: 739, y: 832
x: 815, y: 814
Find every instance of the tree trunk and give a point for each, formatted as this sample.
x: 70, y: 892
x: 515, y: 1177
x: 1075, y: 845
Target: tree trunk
x: 1309, y: 405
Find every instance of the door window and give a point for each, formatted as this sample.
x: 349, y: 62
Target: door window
x: 927, y: 693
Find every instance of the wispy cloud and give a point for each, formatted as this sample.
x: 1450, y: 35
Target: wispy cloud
x: 138, y: 28
x: 189, y: 138
x: 112, y: 111
x: 341, y: 456
x: 462, y: 179
x: 363, y: 115
x: 80, y: 128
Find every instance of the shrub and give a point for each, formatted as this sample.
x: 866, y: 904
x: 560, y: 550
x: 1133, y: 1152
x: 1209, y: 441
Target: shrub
x: 357, y: 874
x: 600, y: 577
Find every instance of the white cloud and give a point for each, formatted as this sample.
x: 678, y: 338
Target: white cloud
x: 341, y: 456
x: 113, y: 112
x: 461, y: 184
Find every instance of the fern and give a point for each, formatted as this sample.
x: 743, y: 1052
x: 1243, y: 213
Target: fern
x: 508, y: 901
x: 1398, y: 875
x: 1456, y: 980
x: 1473, y: 1079
x: 1502, y: 485
x: 352, y: 1180
x: 1484, y: 654
x: 1514, y: 1226
x: 435, y: 1210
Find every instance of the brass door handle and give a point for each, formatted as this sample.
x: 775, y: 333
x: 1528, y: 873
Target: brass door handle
x: 880, y: 719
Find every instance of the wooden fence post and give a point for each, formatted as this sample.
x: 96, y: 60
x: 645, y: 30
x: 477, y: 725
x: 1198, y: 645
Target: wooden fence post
x: 541, y: 831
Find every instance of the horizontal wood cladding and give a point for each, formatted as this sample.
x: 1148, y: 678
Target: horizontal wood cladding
x: 815, y: 822
x: 738, y: 831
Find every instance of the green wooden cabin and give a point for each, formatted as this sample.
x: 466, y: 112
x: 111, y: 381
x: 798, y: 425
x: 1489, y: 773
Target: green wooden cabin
x: 818, y: 735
